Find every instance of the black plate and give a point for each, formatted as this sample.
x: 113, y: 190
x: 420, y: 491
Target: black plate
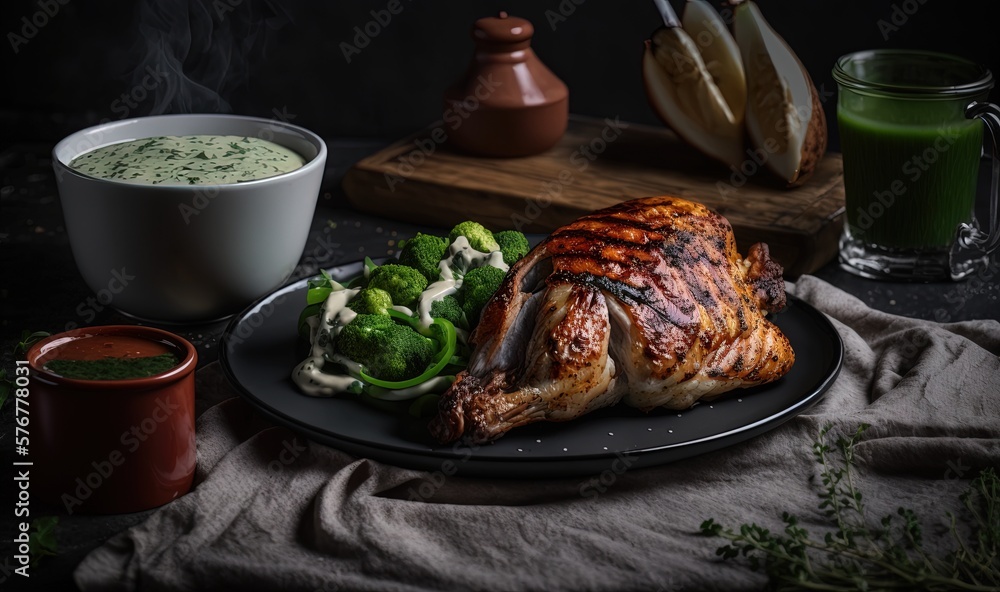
x: 260, y: 348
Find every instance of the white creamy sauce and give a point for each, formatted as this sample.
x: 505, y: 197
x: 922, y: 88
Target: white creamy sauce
x: 309, y: 375
x: 462, y: 256
x: 496, y: 260
x: 432, y: 294
x: 314, y: 382
x: 336, y: 315
x: 189, y: 160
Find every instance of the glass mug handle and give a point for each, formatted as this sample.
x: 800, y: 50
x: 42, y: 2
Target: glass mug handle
x: 969, y: 235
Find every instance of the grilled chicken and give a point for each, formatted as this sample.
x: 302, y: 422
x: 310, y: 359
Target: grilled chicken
x: 647, y: 302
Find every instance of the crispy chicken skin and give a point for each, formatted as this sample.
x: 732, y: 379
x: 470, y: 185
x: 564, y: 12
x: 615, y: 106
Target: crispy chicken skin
x: 646, y: 302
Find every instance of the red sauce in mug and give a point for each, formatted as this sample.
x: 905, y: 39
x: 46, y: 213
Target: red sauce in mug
x: 98, y: 347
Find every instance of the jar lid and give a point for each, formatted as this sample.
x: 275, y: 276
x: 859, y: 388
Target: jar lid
x: 503, y: 31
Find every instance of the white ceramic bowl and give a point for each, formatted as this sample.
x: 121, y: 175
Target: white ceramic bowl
x: 187, y: 253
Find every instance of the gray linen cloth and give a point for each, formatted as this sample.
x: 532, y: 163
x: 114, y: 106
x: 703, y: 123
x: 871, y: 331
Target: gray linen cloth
x: 272, y: 511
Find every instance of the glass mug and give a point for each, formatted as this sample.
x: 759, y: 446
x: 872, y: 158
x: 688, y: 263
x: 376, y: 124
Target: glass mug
x: 911, y: 132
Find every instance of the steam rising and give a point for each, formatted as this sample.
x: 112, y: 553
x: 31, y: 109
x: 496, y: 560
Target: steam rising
x: 203, y: 50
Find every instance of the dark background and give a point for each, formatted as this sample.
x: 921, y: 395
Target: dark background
x: 254, y: 56
x: 262, y: 58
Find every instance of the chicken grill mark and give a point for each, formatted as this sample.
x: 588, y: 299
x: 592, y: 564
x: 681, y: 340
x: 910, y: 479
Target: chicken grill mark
x: 647, y: 302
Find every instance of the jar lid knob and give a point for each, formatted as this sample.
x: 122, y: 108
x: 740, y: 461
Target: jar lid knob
x: 503, y: 32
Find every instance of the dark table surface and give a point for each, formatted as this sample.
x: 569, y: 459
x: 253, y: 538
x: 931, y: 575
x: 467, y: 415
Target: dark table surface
x: 42, y: 291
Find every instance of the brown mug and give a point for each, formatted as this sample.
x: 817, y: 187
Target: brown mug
x: 112, y: 446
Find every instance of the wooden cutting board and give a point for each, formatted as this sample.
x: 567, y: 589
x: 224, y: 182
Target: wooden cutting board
x: 596, y: 164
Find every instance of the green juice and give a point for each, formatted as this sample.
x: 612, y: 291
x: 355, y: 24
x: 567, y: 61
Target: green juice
x: 908, y: 184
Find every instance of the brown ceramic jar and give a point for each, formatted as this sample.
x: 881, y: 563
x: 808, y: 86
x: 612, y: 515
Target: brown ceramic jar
x: 507, y: 103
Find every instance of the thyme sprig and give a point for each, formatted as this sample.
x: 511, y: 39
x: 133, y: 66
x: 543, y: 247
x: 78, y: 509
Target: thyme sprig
x: 863, y: 555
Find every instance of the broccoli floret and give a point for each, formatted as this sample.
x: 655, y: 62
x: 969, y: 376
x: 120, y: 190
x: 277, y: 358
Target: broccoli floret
x: 386, y: 349
x: 423, y: 253
x: 371, y: 301
x: 513, y: 245
x: 404, y: 284
x: 480, y: 239
x: 360, y: 330
x: 450, y: 309
x: 477, y: 288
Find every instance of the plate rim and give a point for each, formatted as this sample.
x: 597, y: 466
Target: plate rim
x: 831, y: 372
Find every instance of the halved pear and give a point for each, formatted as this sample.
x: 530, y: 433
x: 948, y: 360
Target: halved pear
x: 784, y: 118
x: 694, y: 81
x: 719, y: 51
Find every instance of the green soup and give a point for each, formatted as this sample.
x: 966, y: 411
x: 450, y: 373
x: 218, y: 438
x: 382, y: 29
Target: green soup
x: 189, y: 160
x: 908, y: 185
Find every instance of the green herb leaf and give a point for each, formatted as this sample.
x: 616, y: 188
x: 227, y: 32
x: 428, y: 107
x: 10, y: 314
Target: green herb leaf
x: 42, y: 538
x: 319, y: 288
x: 861, y: 554
x: 28, y: 339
